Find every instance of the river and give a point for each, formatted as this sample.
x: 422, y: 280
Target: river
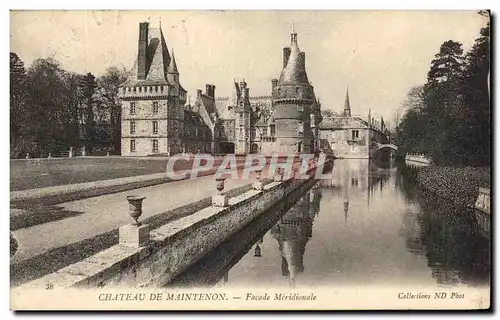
x: 368, y: 225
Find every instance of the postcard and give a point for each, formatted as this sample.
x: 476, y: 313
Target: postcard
x: 250, y: 160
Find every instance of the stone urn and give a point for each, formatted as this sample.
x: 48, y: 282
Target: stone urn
x: 258, y: 174
x: 219, y: 183
x: 135, y: 208
x: 257, y: 252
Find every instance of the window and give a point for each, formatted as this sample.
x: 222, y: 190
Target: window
x: 155, y: 127
x: 254, y: 132
x: 264, y: 131
x: 297, y: 90
x: 273, y: 130
x: 155, y: 145
x: 132, y: 127
x: 300, y: 127
x: 132, y: 145
x: 354, y: 182
x: 355, y: 134
x: 155, y: 107
x: 132, y: 107
x: 300, y: 108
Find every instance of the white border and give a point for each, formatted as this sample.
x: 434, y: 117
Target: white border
x: 186, y: 5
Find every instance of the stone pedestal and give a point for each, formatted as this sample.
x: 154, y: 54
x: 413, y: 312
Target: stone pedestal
x: 134, y: 236
x: 258, y: 185
x: 220, y: 200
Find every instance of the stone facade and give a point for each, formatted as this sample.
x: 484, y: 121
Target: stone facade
x: 286, y: 121
x: 156, y: 119
x: 153, y: 102
x: 348, y: 136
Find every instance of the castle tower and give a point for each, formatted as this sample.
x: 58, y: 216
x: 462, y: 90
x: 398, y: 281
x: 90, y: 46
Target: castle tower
x: 293, y: 97
x: 242, y: 123
x: 152, y: 99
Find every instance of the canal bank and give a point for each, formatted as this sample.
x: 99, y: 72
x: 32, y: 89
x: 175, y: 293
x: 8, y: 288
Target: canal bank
x: 459, y: 185
x: 368, y: 227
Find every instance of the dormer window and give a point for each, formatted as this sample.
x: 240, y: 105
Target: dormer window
x: 300, y: 108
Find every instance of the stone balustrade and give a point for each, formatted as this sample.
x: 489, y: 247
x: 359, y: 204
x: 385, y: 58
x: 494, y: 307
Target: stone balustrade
x: 152, y: 258
x: 483, y: 201
x: 418, y: 157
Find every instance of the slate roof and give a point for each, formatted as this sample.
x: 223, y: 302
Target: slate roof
x: 193, y: 118
x: 158, y: 60
x: 295, y: 70
x: 222, y: 108
x: 339, y: 123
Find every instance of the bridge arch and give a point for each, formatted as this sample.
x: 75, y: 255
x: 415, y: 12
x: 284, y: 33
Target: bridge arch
x: 381, y: 146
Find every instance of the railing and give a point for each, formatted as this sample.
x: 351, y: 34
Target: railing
x: 418, y: 157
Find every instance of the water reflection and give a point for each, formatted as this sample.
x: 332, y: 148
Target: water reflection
x: 293, y: 232
x: 369, y: 224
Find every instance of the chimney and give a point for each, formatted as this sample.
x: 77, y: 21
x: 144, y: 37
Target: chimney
x: 303, y: 58
x: 210, y: 90
x: 198, y: 93
x: 286, y: 55
x: 142, y: 50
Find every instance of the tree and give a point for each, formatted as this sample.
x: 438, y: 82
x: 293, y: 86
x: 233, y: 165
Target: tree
x: 449, y: 117
x: 88, y: 87
x: 328, y: 113
x: 19, y: 108
x: 48, y: 96
x: 109, y: 102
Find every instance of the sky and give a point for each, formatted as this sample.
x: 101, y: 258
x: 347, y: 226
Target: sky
x: 378, y: 55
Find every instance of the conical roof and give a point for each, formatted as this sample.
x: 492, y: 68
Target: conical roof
x: 347, y: 104
x: 160, y: 61
x: 295, y: 69
x: 172, y: 67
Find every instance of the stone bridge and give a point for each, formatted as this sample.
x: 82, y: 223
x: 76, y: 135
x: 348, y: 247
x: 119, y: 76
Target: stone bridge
x: 380, y: 146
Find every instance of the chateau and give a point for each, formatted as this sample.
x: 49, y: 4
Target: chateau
x: 349, y: 136
x: 157, y: 120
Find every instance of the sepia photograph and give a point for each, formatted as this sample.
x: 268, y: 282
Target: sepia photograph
x: 250, y: 160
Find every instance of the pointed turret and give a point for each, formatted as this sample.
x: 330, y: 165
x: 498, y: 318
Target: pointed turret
x: 158, y: 56
x: 172, y: 67
x: 347, y: 105
x: 172, y: 72
x: 295, y: 70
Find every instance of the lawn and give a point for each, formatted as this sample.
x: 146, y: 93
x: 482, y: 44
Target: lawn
x: 39, y: 173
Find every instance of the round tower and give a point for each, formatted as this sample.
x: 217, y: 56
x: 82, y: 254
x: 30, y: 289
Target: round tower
x: 293, y: 97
